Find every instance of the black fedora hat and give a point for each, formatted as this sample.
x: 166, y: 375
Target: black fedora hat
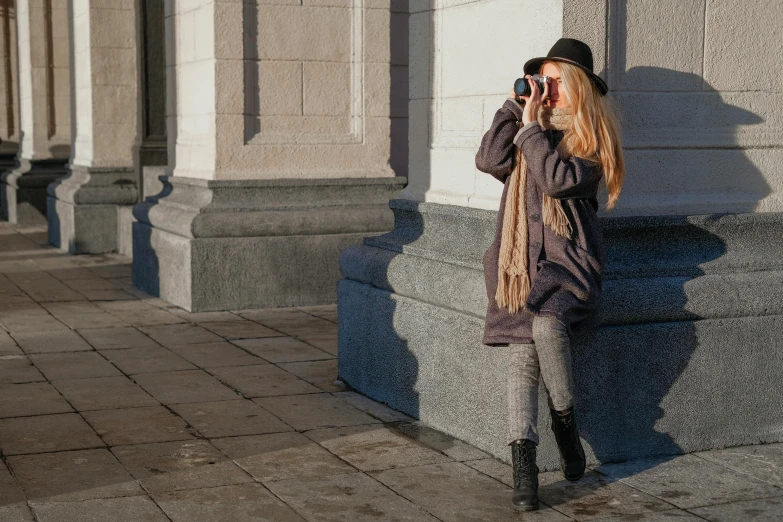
x: 575, y: 52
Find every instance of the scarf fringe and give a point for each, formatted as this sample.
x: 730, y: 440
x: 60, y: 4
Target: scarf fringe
x: 512, y: 290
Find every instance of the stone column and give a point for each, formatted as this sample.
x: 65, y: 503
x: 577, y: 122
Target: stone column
x: 150, y: 152
x: 44, y: 109
x: 279, y: 152
x: 9, y: 94
x: 694, y: 256
x: 83, y: 207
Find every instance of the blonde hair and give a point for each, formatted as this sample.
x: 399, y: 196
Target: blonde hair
x: 595, y: 132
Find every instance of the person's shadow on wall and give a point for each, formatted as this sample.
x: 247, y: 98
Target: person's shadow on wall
x: 626, y: 369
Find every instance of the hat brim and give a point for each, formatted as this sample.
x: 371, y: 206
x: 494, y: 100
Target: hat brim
x: 534, y: 65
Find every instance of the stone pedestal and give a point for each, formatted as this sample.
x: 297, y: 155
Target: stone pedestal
x: 684, y: 359
x: 23, y: 190
x: 82, y: 207
x: 221, y: 245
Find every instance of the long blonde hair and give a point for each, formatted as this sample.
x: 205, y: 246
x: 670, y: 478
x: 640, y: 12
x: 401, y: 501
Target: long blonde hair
x: 595, y: 132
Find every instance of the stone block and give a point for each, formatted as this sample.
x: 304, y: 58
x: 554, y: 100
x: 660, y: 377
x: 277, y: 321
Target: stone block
x: 377, y: 36
x: 741, y: 46
x: 327, y: 89
x: 420, y: 54
x: 280, y: 88
x: 304, y: 33
x: 112, y: 28
x: 647, y: 33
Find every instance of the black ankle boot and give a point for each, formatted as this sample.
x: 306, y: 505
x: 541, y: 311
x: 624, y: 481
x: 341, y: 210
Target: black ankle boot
x: 572, y: 455
x: 523, y: 458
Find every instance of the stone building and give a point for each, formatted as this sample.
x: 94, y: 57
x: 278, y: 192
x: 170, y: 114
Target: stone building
x: 235, y: 148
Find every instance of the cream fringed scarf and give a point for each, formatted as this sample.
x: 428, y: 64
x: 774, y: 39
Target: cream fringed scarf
x: 513, y: 277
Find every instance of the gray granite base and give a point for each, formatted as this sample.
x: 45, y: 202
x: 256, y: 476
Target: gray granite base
x: 686, y: 357
x: 23, y: 190
x: 82, y: 208
x: 222, y: 245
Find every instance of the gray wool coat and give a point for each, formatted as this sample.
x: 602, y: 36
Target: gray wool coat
x: 565, y: 274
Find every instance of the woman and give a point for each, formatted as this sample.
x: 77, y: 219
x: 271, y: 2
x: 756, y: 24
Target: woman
x: 544, y: 269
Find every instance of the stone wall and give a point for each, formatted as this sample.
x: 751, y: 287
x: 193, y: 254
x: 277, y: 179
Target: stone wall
x: 697, y: 92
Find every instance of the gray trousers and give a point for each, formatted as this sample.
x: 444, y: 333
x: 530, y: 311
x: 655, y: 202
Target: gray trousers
x: 549, y: 356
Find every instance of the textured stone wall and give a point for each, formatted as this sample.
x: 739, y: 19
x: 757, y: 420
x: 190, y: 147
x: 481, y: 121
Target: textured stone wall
x: 696, y: 83
x: 285, y: 90
x: 700, y: 94
x: 44, y: 79
x: 9, y: 95
x: 464, y: 58
x: 105, y: 82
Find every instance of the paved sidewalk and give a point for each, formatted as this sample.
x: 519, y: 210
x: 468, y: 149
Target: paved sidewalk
x: 116, y: 406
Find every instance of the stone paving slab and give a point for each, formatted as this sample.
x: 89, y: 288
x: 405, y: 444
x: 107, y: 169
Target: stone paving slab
x: 51, y: 341
x: 148, y: 359
x: 73, y: 365
x: 137, y: 425
x: 454, y: 491
x: 321, y: 374
x: 675, y: 515
x: 283, y: 349
x: 760, y: 510
x: 230, y: 418
x: 171, y: 466
x: 40, y: 398
x: 69, y: 476
x: 764, y: 462
x: 185, y: 386
x: 281, y: 456
x: 245, y: 502
x: 178, y: 334
x: 117, y: 338
x: 376, y: 409
x: 262, y: 380
x: 308, y: 412
x: 17, y: 369
x: 595, y: 496
x: 375, y: 447
x: 231, y: 330
x: 46, y: 433
x: 215, y: 355
x: 688, y: 481
x: 355, y: 497
x: 138, y: 508
x: 103, y: 393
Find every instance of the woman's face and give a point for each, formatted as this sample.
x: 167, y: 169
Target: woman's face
x: 557, y: 96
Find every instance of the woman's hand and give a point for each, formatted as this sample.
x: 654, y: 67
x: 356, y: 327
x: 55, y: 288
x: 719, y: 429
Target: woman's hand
x: 534, y: 101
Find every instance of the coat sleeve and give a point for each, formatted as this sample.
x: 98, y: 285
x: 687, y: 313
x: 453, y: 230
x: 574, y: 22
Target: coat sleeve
x: 496, y: 153
x: 558, y: 178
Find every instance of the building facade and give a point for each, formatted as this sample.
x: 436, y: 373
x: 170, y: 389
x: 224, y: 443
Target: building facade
x: 236, y: 149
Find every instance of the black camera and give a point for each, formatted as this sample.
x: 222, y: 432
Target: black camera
x: 522, y: 87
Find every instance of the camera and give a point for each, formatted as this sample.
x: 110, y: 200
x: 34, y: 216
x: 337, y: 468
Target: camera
x: 522, y: 87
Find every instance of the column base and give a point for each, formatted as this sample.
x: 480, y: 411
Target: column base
x: 23, y: 190
x: 82, y: 208
x: 682, y: 296
x: 225, y: 245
